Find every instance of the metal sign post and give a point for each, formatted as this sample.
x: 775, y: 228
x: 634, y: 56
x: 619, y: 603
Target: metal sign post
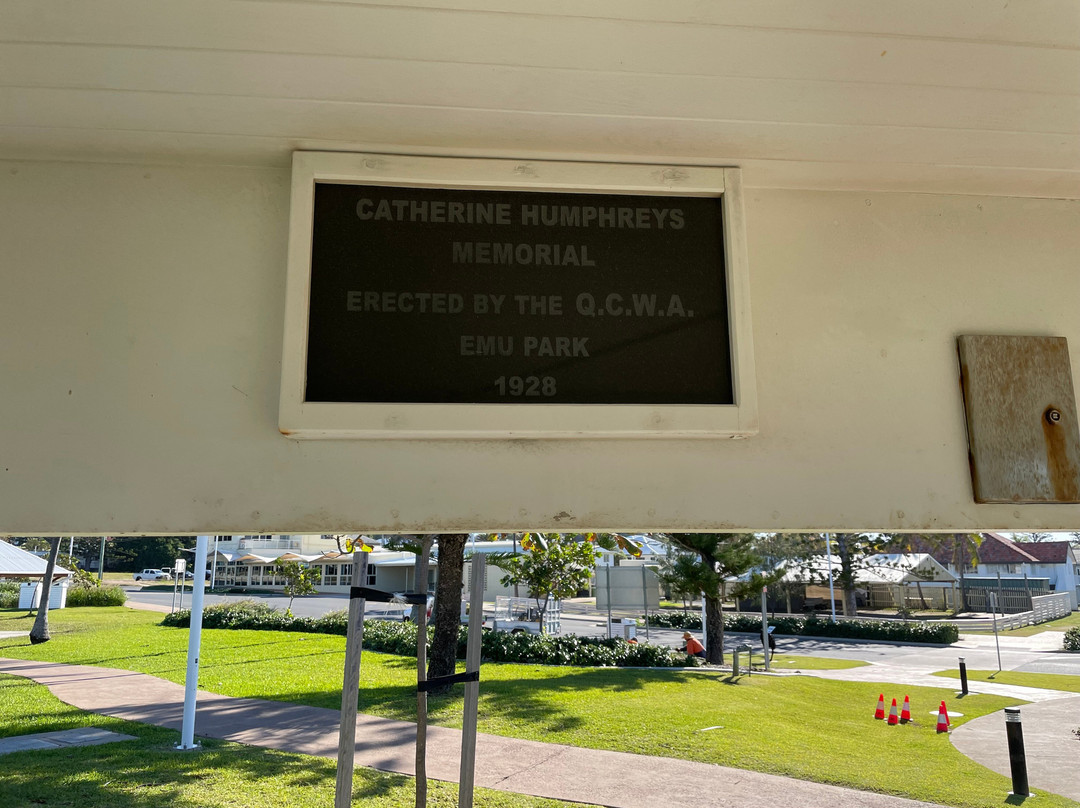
x: 832, y: 593
x: 191, y: 678
x: 997, y: 644
x: 179, y: 568
x: 765, y: 625
x: 645, y: 598
x: 607, y: 586
x: 421, y: 584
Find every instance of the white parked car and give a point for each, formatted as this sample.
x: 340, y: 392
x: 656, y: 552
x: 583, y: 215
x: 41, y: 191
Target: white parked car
x: 153, y: 575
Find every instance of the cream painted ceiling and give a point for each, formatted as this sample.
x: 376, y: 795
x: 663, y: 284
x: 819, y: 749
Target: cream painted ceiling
x: 959, y: 96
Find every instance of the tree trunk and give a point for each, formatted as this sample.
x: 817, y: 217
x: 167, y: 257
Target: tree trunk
x: 447, y: 605
x: 40, y: 632
x: 714, y: 631
x: 846, y: 577
x: 959, y: 551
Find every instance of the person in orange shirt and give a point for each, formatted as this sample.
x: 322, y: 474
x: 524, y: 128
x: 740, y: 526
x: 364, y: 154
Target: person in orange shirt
x: 692, y: 646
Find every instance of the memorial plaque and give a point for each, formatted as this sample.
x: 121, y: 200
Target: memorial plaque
x: 442, y: 296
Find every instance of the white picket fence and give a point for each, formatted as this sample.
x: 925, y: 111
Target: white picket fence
x: 1044, y: 609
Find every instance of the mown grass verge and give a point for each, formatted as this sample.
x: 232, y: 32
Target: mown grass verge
x: 1050, y: 681
x: 804, y: 727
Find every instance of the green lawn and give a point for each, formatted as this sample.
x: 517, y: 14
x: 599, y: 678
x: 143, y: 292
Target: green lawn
x: 1062, y: 624
x: 1051, y: 681
x: 148, y: 772
x: 800, y: 726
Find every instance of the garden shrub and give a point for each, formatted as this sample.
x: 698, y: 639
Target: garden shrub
x: 400, y: 638
x: 97, y: 596
x: 685, y: 620
x: 1072, y: 639
x: 9, y: 594
x: 894, y: 630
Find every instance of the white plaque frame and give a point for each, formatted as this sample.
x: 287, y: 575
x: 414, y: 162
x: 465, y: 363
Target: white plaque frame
x: 298, y: 418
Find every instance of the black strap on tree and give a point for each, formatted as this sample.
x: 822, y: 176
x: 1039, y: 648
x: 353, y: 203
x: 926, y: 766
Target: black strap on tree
x: 417, y: 599
x: 378, y: 596
x: 457, y: 678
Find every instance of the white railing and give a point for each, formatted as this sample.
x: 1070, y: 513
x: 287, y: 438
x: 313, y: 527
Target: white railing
x: 273, y: 544
x: 1044, y: 609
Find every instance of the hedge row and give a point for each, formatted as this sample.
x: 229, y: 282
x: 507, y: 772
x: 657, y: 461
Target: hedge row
x: 97, y: 596
x: 894, y: 630
x: 77, y: 596
x: 400, y: 638
x: 9, y: 594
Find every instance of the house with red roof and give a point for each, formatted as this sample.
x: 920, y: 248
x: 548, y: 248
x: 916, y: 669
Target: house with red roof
x: 998, y: 554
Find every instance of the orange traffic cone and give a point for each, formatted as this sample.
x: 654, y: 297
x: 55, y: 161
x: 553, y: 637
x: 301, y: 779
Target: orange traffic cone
x: 942, y: 719
x: 893, y: 720
x: 880, y: 711
x: 905, y: 712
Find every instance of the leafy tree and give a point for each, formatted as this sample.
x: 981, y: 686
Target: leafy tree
x: 131, y: 554
x: 784, y: 550
x: 31, y: 544
x: 963, y: 550
x: 299, y: 580
x: 852, y: 552
x: 40, y: 632
x: 709, y: 561
x: 415, y: 545
x: 554, y: 565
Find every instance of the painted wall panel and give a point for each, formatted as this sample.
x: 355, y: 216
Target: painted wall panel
x: 140, y: 344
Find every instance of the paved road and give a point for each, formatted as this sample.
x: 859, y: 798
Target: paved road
x: 1038, y: 653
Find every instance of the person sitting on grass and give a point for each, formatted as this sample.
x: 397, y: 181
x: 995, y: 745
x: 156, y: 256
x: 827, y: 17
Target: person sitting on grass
x: 692, y: 646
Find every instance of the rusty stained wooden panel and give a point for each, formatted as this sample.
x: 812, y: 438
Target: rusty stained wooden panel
x: 1023, y: 439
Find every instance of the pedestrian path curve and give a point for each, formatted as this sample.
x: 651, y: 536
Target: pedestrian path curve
x: 615, y: 779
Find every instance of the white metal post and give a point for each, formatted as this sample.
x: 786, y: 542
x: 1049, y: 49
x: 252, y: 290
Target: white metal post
x: 765, y: 625
x: 704, y: 627
x: 832, y: 594
x: 607, y: 584
x: 191, y: 678
x: 213, y: 567
x: 645, y: 598
x: 997, y: 644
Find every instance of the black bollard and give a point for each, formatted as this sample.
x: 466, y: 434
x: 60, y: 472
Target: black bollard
x: 1014, y: 731
x: 963, y: 677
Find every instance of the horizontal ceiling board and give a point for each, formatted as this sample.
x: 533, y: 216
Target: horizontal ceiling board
x: 499, y: 128
x: 1053, y: 23
x: 165, y: 148
x: 581, y: 43
x: 355, y: 79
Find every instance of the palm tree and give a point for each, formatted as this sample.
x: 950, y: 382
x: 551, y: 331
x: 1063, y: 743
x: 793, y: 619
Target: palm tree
x: 40, y: 632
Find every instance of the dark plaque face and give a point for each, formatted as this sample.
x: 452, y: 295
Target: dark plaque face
x: 449, y: 296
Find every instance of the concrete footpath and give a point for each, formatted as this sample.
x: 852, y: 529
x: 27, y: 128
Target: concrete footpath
x: 614, y: 779
x: 1050, y: 746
